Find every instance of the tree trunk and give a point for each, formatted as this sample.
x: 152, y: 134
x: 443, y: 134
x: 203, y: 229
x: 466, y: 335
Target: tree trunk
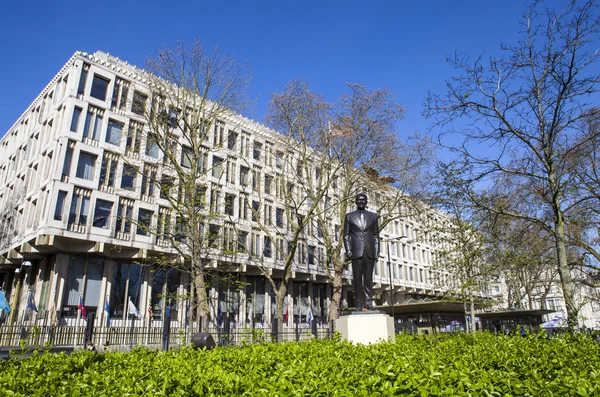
x: 336, y: 297
x: 564, y: 273
x: 473, y: 322
x: 280, y: 293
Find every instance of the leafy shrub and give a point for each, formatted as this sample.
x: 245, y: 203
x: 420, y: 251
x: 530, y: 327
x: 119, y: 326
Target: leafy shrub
x: 444, y: 365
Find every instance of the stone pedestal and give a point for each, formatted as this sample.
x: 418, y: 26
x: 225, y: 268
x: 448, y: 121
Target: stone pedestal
x: 366, y: 327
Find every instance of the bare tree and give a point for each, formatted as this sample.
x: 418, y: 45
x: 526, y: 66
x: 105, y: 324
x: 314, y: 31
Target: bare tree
x: 190, y: 92
x: 343, y: 149
x: 523, y: 112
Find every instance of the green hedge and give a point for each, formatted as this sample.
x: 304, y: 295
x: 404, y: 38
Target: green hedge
x: 447, y: 365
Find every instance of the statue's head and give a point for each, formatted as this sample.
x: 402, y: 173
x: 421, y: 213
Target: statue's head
x: 361, y: 201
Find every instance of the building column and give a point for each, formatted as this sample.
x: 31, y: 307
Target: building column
x: 59, y: 283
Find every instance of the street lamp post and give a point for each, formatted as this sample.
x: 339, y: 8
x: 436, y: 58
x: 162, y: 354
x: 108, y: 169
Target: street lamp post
x: 389, y: 263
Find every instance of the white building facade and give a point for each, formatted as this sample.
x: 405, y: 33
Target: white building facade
x: 66, y: 196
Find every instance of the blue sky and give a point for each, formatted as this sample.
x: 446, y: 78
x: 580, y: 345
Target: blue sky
x: 400, y: 45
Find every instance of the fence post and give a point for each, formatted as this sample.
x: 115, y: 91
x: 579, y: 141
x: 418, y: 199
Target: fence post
x: 274, y: 329
x: 298, y: 330
x: 166, y: 333
x: 89, y: 329
x: 313, y: 326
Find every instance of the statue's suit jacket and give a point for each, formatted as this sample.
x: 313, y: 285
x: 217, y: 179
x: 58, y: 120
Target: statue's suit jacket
x: 361, y: 239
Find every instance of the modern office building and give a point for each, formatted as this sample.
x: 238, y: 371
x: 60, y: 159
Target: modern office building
x: 66, y: 194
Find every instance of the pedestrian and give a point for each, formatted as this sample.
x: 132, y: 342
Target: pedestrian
x: 89, y: 345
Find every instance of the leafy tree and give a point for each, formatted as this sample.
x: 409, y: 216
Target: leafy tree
x: 523, y: 113
x: 191, y: 92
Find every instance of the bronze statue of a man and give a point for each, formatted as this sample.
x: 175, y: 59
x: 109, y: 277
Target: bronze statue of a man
x: 361, y: 242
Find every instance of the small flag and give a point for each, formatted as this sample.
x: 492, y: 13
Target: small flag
x: 31, y: 304
x: 149, y: 309
x: 309, y: 317
x: 107, y: 310
x: 82, y: 308
x: 168, y: 310
x: 220, y: 316
x: 131, y: 309
x: 285, y: 316
x: 3, y: 303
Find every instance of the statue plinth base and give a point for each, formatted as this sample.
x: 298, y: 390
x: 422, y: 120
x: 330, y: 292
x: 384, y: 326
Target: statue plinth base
x: 366, y: 327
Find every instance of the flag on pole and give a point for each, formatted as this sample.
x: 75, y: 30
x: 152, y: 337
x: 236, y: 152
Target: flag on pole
x: 107, y: 310
x: 31, y: 303
x: 3, y: 303
x: 168, y: 310
x: 131, y: 309
x: 82, y: 308
x: 309, y: 317
x: 285, y: 316
x: 150, y: 310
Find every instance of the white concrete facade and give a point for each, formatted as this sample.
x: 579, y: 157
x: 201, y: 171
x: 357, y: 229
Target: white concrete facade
x: 64, y: 196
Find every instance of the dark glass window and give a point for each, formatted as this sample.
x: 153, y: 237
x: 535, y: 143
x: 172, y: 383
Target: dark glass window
x: 75, y: 119
x: 99, y: 87
x: 102, y: 213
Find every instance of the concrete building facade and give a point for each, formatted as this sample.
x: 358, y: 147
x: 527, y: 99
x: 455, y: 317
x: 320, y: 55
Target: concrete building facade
x: 66, y: 195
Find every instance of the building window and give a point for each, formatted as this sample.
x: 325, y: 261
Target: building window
x: 229, y: 202
x: 256, y: 180
x: 84, y: 281
x: 93, y: 123
x: 124, y: 215
x: 217, y: 170
x: 148, y: 180
x: 244, y: 176
x: 163, y: 224
x: 245, y: 144
x: 138, y: 105
x: 102, y: 213
x: 126, y: 285
x: 256, y: 150
x: 231, y: 140
x: 66, y: 172
x: 144, y: 222
x: 134, y: 136
x: 119, y: 98
x: 186, y: 157
x: 86, y: 166
x: 242, y: 241
x: 213, y: 235
x: 255, y: 210
x: 268, y: 208
x: 267, y: 247
x: 219, y: 133
x: 268, y: 184
x: 166, y: 185
x: 128, y: 177
x: 279, y: 217
x: 83, y: 79
x: 114, y: 132
x: 99, y: 87
x: 311, y: 255
x: 60, y: 205
x: 108, y: 170
x: 279, y: 159
x: 151, y: 148
x: 75, y: 118
x: 79, y: 207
